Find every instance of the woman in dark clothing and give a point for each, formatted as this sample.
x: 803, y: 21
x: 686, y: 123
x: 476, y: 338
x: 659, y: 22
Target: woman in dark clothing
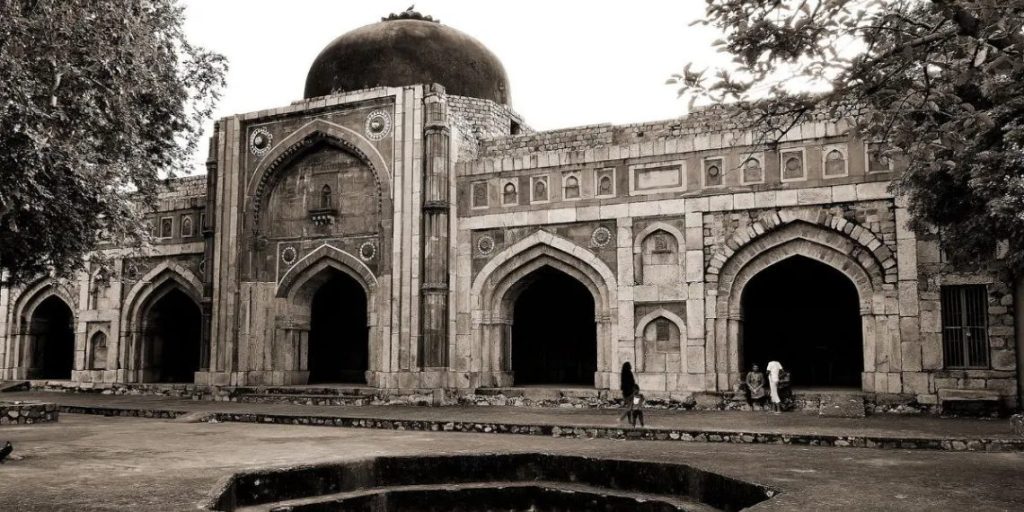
x: 627, y: 384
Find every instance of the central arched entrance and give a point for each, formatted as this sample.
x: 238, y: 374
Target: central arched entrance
x: 806, y: 315
x: 554, y: 334
x: 339, y: 334
x: 52, y: 328
x: 173, y: 332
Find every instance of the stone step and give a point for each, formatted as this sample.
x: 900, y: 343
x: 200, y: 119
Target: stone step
x: 843, y: 405
x: 14, y: 385
x: 303, y: 399
x: 579, y: 492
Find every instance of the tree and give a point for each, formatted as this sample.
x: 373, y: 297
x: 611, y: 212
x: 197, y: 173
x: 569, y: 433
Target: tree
x: 99, y: 101
x: 939, y: 82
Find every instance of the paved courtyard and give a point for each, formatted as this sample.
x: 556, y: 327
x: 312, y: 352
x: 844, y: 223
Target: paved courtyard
x: 97, y: 463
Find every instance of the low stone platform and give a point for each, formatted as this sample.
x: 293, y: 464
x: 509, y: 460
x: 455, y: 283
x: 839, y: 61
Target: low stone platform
x: 27, y: 412
x: 900, y: 432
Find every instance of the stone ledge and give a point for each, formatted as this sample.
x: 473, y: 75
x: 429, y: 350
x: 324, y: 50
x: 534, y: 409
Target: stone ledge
x: 584, y: 432
x: 26, y: 413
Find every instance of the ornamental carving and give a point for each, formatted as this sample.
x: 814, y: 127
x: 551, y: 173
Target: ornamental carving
x: 378, y: 125
x: 259, y: 141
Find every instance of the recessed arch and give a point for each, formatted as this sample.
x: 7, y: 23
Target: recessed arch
x: 638, y: 240
x: 146, y: 311
x: 293, y: 284
x: 305, y: 139
x: 833, y: 242
x: 501, y: 280
x: 646, y: 349
x: 659, y: 313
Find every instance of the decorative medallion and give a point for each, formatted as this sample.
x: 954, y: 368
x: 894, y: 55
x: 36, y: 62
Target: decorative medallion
x: 378, y: 125
x: 259, y: 141
x: 288, y: 255
x: 132, y: 271
x: 367, y: 251
x: 601, y: 237
x: 485, y: 244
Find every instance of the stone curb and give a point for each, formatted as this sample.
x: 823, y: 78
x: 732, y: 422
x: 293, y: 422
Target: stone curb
x: 959, y: 444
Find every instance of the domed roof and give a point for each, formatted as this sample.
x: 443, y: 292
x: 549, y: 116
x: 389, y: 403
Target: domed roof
x: 406, y: 49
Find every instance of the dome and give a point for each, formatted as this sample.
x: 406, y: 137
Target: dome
x: 406, y: 49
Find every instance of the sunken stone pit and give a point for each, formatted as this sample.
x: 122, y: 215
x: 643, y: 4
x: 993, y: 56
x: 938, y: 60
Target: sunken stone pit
x: 522, y: 481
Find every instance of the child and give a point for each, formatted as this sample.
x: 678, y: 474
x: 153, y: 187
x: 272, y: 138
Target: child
x: 636, y: 404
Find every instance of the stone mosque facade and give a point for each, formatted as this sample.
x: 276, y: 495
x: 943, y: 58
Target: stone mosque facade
x: 403, y: 228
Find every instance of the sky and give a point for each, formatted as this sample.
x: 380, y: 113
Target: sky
x: 569, y: 62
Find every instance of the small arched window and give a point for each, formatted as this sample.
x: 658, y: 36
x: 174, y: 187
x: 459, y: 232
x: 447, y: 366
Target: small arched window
x: 186, y: 227
x: 509, y: 194
x: 835, y: 163
x: 572, y: 187
x: 605, y: 187
x: 325, y: 197
x: 98, y: 352
x: 752, y: 172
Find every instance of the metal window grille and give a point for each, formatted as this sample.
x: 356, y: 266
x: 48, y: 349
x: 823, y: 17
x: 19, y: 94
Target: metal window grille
x: 965, y: 326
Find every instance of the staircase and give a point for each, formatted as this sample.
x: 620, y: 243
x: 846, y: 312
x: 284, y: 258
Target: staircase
x: 306, y: 395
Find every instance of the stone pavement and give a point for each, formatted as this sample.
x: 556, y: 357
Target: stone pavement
x: 90, y: 463
x: 877, y: 431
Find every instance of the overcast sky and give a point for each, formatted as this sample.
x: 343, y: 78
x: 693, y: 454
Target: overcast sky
x: 569, y: 62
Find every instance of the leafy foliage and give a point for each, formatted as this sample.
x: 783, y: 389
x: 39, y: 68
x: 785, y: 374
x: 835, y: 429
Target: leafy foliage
x: 941, y: 82
x: 99, y: 100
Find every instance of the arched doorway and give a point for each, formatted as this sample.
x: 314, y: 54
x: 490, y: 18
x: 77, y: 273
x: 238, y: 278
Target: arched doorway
x: 806, y: 315
x: 339, y: 349
x: 554, y: 334
x: 173, y: 332
x: 52, y: 329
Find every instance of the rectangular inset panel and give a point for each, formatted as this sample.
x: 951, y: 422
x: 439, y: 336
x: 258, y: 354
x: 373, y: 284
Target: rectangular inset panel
x: 876, y: 161
x: 479, y: 194
x: 753, y: 169
x: 834, y: 161
x: 604, y: 180
x: 713, y: 171
x: 793, y: 166
x: 657, y: 177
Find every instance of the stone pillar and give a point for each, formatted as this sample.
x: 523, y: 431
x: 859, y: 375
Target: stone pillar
x: 1018, y: 322
x: 433, y: 348
x: 208, y: 231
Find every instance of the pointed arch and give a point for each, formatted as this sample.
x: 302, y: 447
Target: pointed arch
x: 844, y: 246
x: 35, y: 294
x: 552, y: 249
x: 641, y: 324
x: 505, y: 276
x: 302, y: 141
x: 638, y: 240
x: 155, y: 283
x: 294, y: 280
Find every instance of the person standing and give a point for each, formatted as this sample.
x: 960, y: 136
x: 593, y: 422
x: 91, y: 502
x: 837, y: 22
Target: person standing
x: 774, y: 369
x: 627, y: 384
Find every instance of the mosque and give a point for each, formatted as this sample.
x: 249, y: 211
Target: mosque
x: 402, y: 228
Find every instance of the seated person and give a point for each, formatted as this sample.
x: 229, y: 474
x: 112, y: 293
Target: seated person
x: 755, y: 387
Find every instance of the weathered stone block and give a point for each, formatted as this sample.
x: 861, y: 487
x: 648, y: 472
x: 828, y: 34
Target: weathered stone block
x: 915, y: 382
x: 911, y: 356
x: 1004, y: 360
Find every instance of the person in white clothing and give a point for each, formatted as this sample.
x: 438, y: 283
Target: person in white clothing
x: 774, y: 369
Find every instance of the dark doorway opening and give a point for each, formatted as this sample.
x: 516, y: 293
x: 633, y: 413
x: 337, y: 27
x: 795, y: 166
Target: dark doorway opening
x: 339, y: 349
x: 806, y: 315
x: 173, y: 332
x: 54, y: 332
x: 554, y: 335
